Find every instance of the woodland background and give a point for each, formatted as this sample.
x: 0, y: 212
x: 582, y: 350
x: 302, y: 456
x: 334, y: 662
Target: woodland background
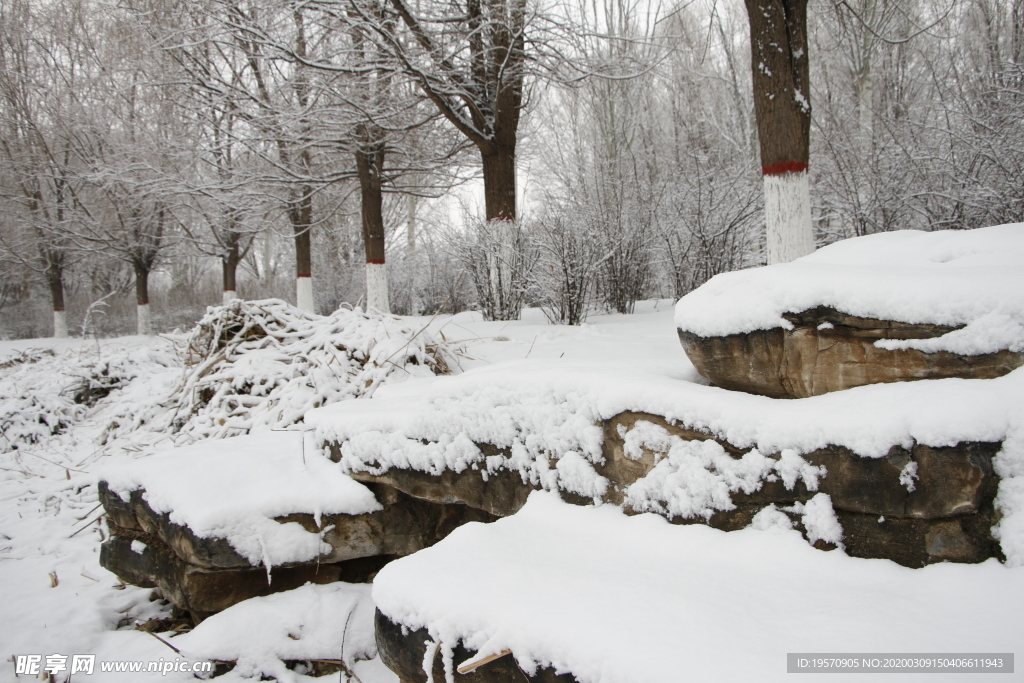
x: 167, y: 143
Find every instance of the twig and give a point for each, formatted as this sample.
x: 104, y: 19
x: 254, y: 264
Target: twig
x: 30, y: 474
x: 531, y: 347
x: 473, y: 665
x: 36, y: 455
x: 88, y: 525
x: 176, y: 650
x: 89, y: 512
x: 344, y: 632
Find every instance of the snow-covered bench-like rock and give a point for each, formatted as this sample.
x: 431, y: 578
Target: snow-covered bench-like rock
x: 889, y: 307
x: 911, y: 469
x: 592, y: 595
x: 223, y: 520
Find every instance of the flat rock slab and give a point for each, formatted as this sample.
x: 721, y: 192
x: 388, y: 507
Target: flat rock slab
x: 889, y: 307
x: 204, y: 592
x: 404, y: 525
x: 404, y: 651
x: 916, y: 506
x: 826, y: 351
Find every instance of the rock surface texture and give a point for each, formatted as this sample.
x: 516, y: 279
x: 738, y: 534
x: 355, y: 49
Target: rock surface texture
x: 827, y: 350
x: 915, y: 506
x: 206, y: 575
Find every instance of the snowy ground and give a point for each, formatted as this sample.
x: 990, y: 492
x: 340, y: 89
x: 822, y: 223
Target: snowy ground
x: 58, y: 600
x: 56, y: 597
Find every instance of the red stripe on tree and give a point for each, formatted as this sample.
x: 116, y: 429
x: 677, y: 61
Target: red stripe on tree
x: 376, y: 262
x: 783, y: 167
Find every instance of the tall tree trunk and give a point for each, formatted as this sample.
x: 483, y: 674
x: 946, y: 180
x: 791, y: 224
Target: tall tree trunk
x: 301, y: 215
x: 499, y: 164
x: 143, y: 325
x: 55, y: 278
x: 369, y: 164
x: 229, y: 266
x: 782, y: 105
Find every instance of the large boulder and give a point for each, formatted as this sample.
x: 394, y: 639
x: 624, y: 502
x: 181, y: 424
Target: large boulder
x: 223, y: 521
x: 825, y: 350
x: 890, y: 307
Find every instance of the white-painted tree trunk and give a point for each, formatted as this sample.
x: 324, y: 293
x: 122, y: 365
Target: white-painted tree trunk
x: 142, y: 319
x: 60, y: 325
x: 501, y: 259
x: 229, y: 296
x: 787, y: 208
x: 377, y: 287
x: 304, y: 293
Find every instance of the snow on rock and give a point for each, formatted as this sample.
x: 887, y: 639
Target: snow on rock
x: 820, y: 520
x: 633, y: 599
x: 271, y: 474
x: 696, y: 478
x: 328, y: 622
x: 541, y: 410
x: 971, y: 278
x: 264, y: 363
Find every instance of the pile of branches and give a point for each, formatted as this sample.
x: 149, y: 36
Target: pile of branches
x: 265, y: 363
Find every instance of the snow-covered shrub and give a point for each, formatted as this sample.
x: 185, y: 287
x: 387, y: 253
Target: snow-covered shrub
x: 265, y: 363
x: 34, y: 403
x: 42, y: 393
x: 29, y: 416
x: 102, y: 377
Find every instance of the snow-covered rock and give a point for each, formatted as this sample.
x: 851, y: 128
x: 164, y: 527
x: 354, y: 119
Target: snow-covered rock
x: 611, y: 598
x: 200, y: 521
x: 888, y: 307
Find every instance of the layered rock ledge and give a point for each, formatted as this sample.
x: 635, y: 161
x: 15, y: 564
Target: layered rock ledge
x: 915, y: 506
x: 825, y: 350
x: 214, y: 524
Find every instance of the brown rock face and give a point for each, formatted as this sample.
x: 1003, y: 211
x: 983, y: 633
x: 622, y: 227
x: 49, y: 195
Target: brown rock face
x: 204, y: 592
x: 403, y: 651
x: 808, y: 361
x: 937, y: 501
x: 207, y: 575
